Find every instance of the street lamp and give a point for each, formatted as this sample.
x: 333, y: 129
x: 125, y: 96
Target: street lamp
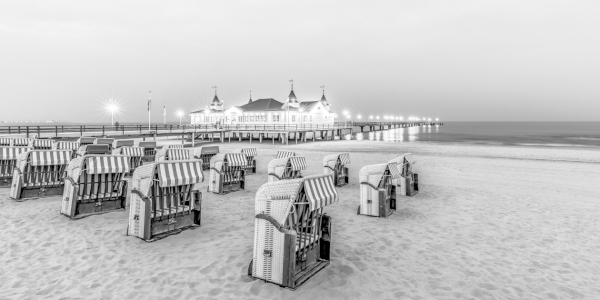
x: 359, y: 117
x: 370, y: 117
x: 112, y: 109
x: 345, y: 112
x: 180, y: 115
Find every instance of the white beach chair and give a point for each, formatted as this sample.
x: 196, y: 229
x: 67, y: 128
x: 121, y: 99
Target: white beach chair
x: 377, y: 192
x: 292, y: 235
x: 205, y: 154
x: 336, y: 164
x: 45, y: 144
x: 408, y: 182
x: 165, y: 199
x: 227, y: 173
x: 122, y: 143
x: 40, y: 173
x: 173, y: 154
x: 135, y: 155
x: 95, y: 184
x: 86, y: 140
x: 172, y: 146
x: 250, y: 154
x: 8, y: 161
x: 286, y: 168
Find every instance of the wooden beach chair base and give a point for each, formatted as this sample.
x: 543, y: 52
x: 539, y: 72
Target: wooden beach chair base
x: 409, y: 185
x: 93, y: 203
x: 41, y: 192
x: 341, y: 178
x: 387, y: 206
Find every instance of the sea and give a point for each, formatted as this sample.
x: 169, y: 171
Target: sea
x: 551, y: 134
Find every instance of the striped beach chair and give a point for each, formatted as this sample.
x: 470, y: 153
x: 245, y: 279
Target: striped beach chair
x: 149, y: 151
x: 336, y: 164
x: 285, y: 154
x: 165, y: 199
x: 21, y: 142
x: 93, y: 149
x: 377, y: 191
x: 408, y: 182
x: 63, y: 145
x: 86, y: 140
x: 286, y: 168
x: 227, y: 173
x: 105, y: 141
x: 40, y: 173
x: 8, y: 161
x: 292, y: 234
x: 43, y: 144
x: 173, y: 154
x: 135, y: 155
x: 172, y: 146
x: 205, y: 154
x: 94, y: 184
x: 250, y: 154
x: 5, y: 142
x: 122, y: 143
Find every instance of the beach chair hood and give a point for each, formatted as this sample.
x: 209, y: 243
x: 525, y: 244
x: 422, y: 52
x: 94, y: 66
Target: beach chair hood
x: 43, y: 143
x: 170, y: 173
x: 22, y: 142
x: 62, y: 145
x: 236, y: 159
x: 285, y: 154
x: 297, y: 163
x: 9, y: 153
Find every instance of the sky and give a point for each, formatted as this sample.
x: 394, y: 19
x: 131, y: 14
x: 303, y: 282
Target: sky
x: 479, y: 60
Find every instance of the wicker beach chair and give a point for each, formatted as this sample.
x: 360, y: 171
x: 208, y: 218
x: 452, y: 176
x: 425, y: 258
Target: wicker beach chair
x: 86, y: 140
x: 8, y: 161
x: 408, y: 182
x: 285, y: 154
x: 250, y: 154
x: 165, y: 199
x: 286, y: 168
x: 292, y: 235
x: 377, y: 192
x: 227, y: 173
x: 62, y: 145
x: 336, y: 164
x: 95, y: 184
x: 22, y: 142
x: 122, y: 143
x: 149, y: 151
x: 205, y: 154
x: 105, y: 141
x: 173, y: 154
x: 93, y: 149
x: 135, y: 155
x: 40, y: 173
x: 43, y: 144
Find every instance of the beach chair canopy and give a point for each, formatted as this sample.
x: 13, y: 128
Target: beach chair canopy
x: 22, y: 142
x: 170, y: 173
x: 408, y: 159
x: 394, y: 171
x: 62, y: 145
x: 249, y: 151
x: 147, y: 145
x: 122, y: 143
x: 9, y: 153
x: 5, y: 141
x: 104, y: 141
x: 173, y: 146
x: 106, y: 164
x: 284, y: 154
x: 86, y: 140
x: 49, y: 157
x: 129, y: 151
x: 178, y: 154
x: 209, y: 150
x: 344, y: 158
x: 297, y: 163
x: 43, y: 143
x: 236, y: 159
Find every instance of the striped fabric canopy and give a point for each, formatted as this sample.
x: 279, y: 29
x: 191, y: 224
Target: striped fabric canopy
x: 394, y: 170
x: 133, y: 151
x: 179, y: 173
x: 297, y: 163
x: 249, y: 151
x: 178, y: 154
x: 320, y: 191
x: 43, y: 143
x: 66, y: 146
x: 12, y: 152
x: 236, y: 159
x: 344, y: 158
x: 107, y: 164
x: 50, y: 157
x: 5, y: 141
x: 408, y: 159
x: 285, y: 154
x: 178, y: 146
x: 21, y: 142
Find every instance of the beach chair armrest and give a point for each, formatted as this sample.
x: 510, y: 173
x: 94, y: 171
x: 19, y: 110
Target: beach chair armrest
x: 70, y: 179
x: 273, y: 174
x: 18, y: 171
x: 141, y: 195
x: 372, y: 186
x: 332, y: 169
x: 216, y: 170
x: 274, y: 222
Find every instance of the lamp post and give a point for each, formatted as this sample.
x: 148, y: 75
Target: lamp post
x: 345, y: 112
x: 180, y: 115
x: 112, y: 109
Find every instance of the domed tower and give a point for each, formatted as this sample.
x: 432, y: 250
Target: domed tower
x: 292, y: 101
x: 324, y: 100
x: 216, y: 104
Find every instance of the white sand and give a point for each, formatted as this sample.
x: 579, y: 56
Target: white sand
x: 490, y: 222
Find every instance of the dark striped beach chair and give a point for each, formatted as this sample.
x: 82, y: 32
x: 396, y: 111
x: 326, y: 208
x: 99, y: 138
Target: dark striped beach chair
x: 22, y: 142
x: 93, y: 149
x: 149, y: 151
x: 286, y: 168
x: 408, y: 182
x: 105, y: 141
x: 285, y: 154
x: 205, y: 154
x: 8, y: 161
x: 165, y: 199
x: 122, y: 143
x: 173, y: 154
x: 292, y: 234
x: 250, y: 154
x: 40, y: 173
x: 135, y: 155
x: 42, y: 144
x: 95, y: 184
x: 377, y: 191
x: 63, y: 145
x: 335, y: 164
x: 227, y: 173
x: 5, y: 142
x: 86, y: 140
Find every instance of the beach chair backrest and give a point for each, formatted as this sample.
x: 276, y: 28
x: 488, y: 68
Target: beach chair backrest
x: 43, y: 144
x: 372, y: 175
x: 285, y: 154
x: 104, y: 141
x: 122, y: 143
x: 86, y: 140
x: 22, y: 142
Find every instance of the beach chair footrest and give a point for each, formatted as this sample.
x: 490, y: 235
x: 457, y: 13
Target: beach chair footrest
x: 177, y: 222
x: 93, y: 207
x: 42, y: 191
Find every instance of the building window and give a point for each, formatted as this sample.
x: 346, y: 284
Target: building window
x: 293, y: 118
x: 311, y: 118
x: 240, y: 119
x: 304, y: 118
x: 275, y: 118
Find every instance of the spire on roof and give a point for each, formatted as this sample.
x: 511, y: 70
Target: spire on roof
x: 292, y: 97
x: 323, y: 99
x: 250, y: 101
x: 216, y: 100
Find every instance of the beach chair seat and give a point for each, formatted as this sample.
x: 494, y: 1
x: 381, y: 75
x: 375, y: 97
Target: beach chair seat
x: 165, y: 199
x: 64, y: 145
x: 285, y: 154
x: 286, y: 168
x: 173, y: 154
x: 39, y: 173
x: 336, y: 164
x: 88, y: 140
x: 122, y: 143
x: 292, y: 237
x: 95, y: 184
x: 377, y: 192
x: 135, y: 155
x: 22, y: 142
x: 101, y: 149
x: 205, y: 154
x: 43, y: 144
x: 408, y: 182
x: 227, y: 173
x: 105, y: 141
x: 149, y: 151
x: 8, y: 161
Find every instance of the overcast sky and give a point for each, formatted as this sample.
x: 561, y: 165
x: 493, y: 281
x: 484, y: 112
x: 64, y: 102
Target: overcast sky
x: 456, y: 60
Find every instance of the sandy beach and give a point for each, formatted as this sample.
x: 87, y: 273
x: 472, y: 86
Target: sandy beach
x: 490, y: 222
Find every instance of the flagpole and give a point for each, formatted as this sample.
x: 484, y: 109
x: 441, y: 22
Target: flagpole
x: 149, y: 106
x: 165, y: 114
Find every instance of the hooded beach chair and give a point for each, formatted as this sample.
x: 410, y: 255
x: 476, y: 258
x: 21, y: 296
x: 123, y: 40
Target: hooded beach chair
x: 5, y: 142
x: 135, y: 155
x: 377, y: 191
x: 62, y: 145
x: 40, y: 173
x: 165, y: 199
x: 292, y: 235
x: 227, y: 173
x: 408, y: 182
x: 250, y: 154
x: 94, y: 184
x: 8, y: 161
x: 285, y: 154
x: 93, y: 149
x: 172, y: 146
x: 173, y: 154
x: 105, y: 141
x: 86, y: 140
x: 286, y: 168
x: 122, y: 143
x: 22, y: 142
x: 149, y: 151
x: 205, y: 154
x: 43, y: 144
x: 336, y: 164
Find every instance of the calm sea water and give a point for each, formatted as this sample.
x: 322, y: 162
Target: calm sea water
x: 504, y: 133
